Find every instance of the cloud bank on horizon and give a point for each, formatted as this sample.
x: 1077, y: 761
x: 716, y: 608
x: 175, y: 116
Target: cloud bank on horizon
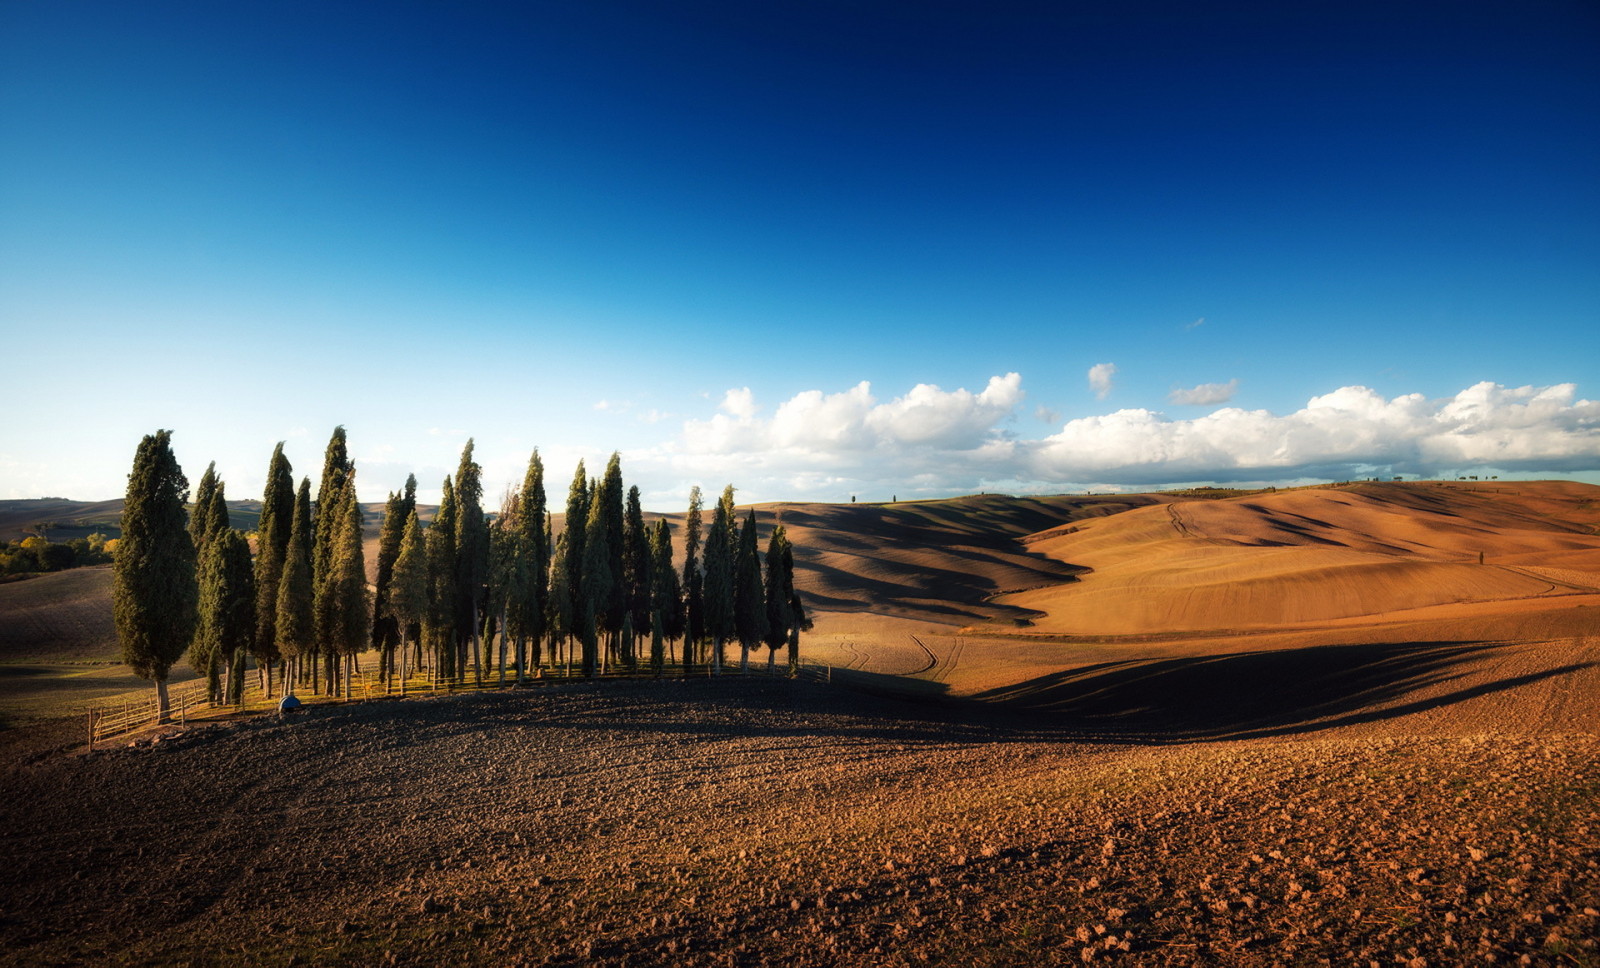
x: 930, y: 441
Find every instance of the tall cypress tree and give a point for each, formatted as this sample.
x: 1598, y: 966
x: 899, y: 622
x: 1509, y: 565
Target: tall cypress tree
x: 201, y: 518
x: 694, y: 605
x: 559, y: 622
x: 507, y: 580
x: 439, y: 629
x: 598, y: 584
x: 350, y: 610
x: 721, y: 548
x: 153, y: 590
x: 272, y: 545
x: 666, y: 595
x: 750, y: 604
x: 407, y: 602
x: 385, y: 633
x: 227, y: 610
x: 636, y: 562
x: 296, y: 630
x: 336, y: 469
x: 533, y: 542
x: 575, y: 529
x: 783, y: 615
x: 472, y: 556
x: 612, y: 606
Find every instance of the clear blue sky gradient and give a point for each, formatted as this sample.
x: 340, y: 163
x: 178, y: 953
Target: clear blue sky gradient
x: 249, y: 222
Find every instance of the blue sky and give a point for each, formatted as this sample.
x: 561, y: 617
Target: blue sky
x: 1294, y: 241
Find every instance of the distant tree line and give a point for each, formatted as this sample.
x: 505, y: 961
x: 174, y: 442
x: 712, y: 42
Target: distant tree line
x: 468, y: 594
x: 36, y: 553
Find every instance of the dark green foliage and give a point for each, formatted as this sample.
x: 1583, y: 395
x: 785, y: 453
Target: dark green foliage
x: 786, y: 617
x: 296, y: 629
x: 598, y: 582
x: 349, y: 610
x: 532, y: 527
x: 153, y: 589
x: 636, y: 563
x: 407, y: 601
x: 472, y: 550
x: 439, y: 628
x: 721, y: 546
x: 574, y: 531
x: 202, y: 520
x: 336, y: 468
x: 658, y: 649
x: 694, y: 600
x: 611, y: 603
x: 750, y: 604
x: 666, y: 595
x: 227, y: 605
x: 217, y: 518
x: 385, y: 632
x: 559, y: 621
x: 272, y: 545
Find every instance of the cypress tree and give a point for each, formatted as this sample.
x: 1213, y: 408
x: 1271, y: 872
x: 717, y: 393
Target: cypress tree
x: 507, y: 582
x: 272, y: 545
x: 598, y: 584
x: 336, y: 469
x: 781, y: 598
x: 407, y: 602
x: 439, y: 629
x: 694, y: 608
x: 750, y: 605
x: 385, y: 633
x: 349, y: 610
x: 296, y: 630
x: 153, y: 590
x: 558, y: 604
x: 636, y: 564
x: 472, y: 557
x: 666, y: 596
x: 612, y: 604
x: 201, y: 521
x: 533, y: 542
x: 658, y: 652
x: 574, y: 529
x: 227, y: 610
x: 217, y: 519
x: 721, y: 548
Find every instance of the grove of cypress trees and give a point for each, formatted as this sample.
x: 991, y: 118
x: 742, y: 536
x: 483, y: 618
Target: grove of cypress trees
x: 407, y: 602
x: 153, y: 588
x: 612, y: 604
x: 272, y: 545
x: 750, y: 604
x: 694, y: 606
x: 296, y: 629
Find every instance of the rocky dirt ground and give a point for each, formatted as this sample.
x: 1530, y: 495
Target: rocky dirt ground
x: 749, y: 821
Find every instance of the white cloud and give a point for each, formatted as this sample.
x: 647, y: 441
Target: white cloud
x: 741, y: 403
x: 1206, y: 394
x: 1100, y: 379
x: 1199, y: 322
x: 1047, y: 415
x: 935, y: 442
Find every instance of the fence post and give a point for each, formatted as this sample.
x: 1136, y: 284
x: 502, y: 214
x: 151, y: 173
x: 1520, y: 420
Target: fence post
x: 91, y: 729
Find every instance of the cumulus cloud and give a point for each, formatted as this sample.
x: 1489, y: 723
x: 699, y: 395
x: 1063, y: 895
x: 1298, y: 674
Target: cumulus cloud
x: 931, y: 441
x: 1206, y: 394
x: 1100, y: 379
x: 1346, y: 433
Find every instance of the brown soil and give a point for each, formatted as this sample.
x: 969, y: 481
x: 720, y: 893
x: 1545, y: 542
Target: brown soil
x: 1395, y: 775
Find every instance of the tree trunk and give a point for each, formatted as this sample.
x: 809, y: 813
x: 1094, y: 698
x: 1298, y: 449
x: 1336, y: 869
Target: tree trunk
x: 402, y: 651
x: 744, y: 658
x: 162, y: 707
